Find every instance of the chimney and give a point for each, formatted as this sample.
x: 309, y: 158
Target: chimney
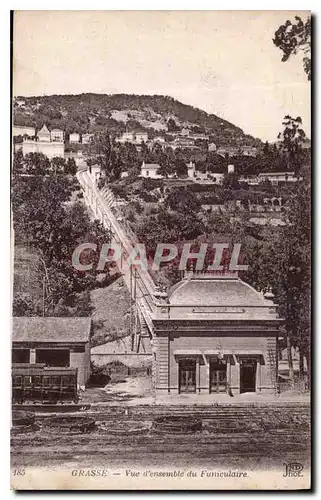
x: 230, y: 169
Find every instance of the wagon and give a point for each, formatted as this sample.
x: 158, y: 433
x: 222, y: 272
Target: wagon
x: 38, y: 383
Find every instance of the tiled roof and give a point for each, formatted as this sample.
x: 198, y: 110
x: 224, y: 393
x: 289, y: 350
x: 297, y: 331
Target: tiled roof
x: 151, y: 166
x: 56, y: 329
x: 44, y: 130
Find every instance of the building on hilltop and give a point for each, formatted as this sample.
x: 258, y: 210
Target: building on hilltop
x: 141, y: 137
x: 215, y: 334
x: 95, y: 172
x: 135, y: 137
x: 57, y: 135
x: 251, y: 180
x: 212, y: 147
x: 43, y: 134
x: 191, y: 170
x: 19, y: 130
x: 149, y: 170
x: 249, y: 151
x: 228, y: 150
x: 127, y: 137
x: 87, y: 138
x: 51, y: 145
x: 63, y: 342
x: 74, y: 138
x: 277, y: 177
x: 159, y: 139
x: 182, y: 142
x: 199, y: 136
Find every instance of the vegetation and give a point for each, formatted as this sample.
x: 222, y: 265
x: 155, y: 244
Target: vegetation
x: 292, y: 38
x: 48, y: 221
x: 93, y: 113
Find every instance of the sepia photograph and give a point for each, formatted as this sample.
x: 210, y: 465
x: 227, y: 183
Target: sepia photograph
x: 161, y: 250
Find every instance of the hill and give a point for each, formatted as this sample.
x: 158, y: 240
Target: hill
x: 96, y: 112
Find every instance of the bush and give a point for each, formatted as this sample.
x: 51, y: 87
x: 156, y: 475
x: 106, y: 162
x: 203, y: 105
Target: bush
x: 99, y: 376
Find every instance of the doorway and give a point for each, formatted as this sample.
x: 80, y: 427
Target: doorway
x: 218, y: 379
x: 187, y: 375
x: 247, y: 375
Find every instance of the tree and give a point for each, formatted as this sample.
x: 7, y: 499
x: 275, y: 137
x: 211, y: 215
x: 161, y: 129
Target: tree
x: 183, y: 200
x: 230, y: 181
x: 291, y: 139
x: 36, y: 164
x: 23, y: 305
x: 58, y: 165
x: 292, y: 38
x: 102, y: 152
x: 172, y: 125
x: 283, y: 261
x: 180, y: 168
x: 43, y: 220
x: 18, y: 163
x: 70, y: 167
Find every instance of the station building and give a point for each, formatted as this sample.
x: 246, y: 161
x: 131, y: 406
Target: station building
x: 55, y: 341
x: 215, y: 335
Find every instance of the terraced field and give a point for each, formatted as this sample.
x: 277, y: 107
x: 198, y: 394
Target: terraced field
x: 259, y: 436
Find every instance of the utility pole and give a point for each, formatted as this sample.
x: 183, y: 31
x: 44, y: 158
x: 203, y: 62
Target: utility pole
x: 43, y: 296
x: 135, y: 305
x: 131, y: 305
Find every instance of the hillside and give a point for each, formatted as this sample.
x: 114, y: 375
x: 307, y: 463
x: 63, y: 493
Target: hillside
x: 95, y: 112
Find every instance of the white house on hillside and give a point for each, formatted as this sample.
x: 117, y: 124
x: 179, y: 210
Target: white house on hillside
x: 191, y: 169
x: 276, y: 177
x: 150, y: 170
x: 44, y: 134
x: 49, y: 144
x: 141, y: 137
x: 87, y: 138
x: 57, y: 135
x: 74, y: 138
x: 17, y: 130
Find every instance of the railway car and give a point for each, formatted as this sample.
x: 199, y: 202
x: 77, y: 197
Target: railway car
x: 38, y: 383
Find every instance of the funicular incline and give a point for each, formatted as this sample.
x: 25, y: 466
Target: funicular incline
x: 139, y: 282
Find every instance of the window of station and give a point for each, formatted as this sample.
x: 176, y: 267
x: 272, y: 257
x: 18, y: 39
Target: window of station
x: 27, y: 381
x: 36, y: 380
x: 218, y: 378
x: 187, y: 375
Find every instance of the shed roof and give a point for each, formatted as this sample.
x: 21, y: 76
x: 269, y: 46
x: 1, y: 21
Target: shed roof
x: 56, y: 329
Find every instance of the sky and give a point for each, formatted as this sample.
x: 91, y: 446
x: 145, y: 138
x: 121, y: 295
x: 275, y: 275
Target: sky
x: 221, y: 61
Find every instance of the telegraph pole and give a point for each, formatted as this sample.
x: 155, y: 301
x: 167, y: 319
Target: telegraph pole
x: 131, y: 305
x: 43, y: 296
x: 135, y: 305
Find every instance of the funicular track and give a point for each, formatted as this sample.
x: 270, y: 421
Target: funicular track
x: 138, y: 281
